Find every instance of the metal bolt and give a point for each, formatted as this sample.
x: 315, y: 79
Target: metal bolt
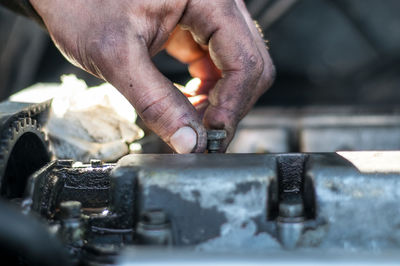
x: 65, y: 163
x: 154, y: 217
x: 290, y: 222
x: 70, y: 209
x: 96, y: 163
x: 72, y: 230
x: 154, y: 228
x: 214, y: 140
x: 291, y: 210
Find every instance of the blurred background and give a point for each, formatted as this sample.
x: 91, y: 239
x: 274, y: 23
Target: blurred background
x: 327, y: 53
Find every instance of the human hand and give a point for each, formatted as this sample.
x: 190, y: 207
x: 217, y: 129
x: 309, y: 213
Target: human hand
x: 115, y: 40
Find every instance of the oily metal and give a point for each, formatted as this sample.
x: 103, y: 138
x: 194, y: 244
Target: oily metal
x: 24, y: 148
x: 268, y: 204
x: 228, y: 202
x: 214, y: 140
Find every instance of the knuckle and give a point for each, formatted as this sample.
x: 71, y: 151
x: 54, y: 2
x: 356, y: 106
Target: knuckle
x: 108, y: 47
x: 251, y: 64
x: 256, y: 63
x: 163, y: 112
x: 154, y: 110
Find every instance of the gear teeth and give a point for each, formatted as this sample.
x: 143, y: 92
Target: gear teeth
x: 17, y: 126
x: 21, y: 124
x: 10, y: 136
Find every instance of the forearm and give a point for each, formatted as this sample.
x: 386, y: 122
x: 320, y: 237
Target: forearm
x: 22, y: 7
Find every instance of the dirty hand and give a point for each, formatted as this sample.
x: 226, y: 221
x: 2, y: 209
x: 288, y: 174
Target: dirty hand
x: 115, y: 40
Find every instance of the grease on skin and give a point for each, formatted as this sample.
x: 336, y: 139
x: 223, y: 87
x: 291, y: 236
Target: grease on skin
x: 116, y: 39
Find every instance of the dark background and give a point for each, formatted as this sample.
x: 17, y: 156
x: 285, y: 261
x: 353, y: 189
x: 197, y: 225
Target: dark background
x: 327, y: 52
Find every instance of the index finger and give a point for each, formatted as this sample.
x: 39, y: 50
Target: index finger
x: 234, y: 51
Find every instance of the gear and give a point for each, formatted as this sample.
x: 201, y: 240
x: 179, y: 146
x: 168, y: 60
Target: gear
x: 23, y: 150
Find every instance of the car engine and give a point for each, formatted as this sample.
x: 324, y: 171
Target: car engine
x: 266, y: 208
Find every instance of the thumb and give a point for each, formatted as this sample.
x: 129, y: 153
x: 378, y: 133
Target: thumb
x: 162, y: 107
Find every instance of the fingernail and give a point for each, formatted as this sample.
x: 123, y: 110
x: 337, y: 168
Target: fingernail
x: 184, y: 140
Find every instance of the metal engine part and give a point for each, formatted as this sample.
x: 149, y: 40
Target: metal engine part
x: 23, y: 147
x: 317, y: 129
x: 205, y: 208
x: 226, y: 203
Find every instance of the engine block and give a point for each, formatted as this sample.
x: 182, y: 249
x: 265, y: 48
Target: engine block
x: 225, y: 202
